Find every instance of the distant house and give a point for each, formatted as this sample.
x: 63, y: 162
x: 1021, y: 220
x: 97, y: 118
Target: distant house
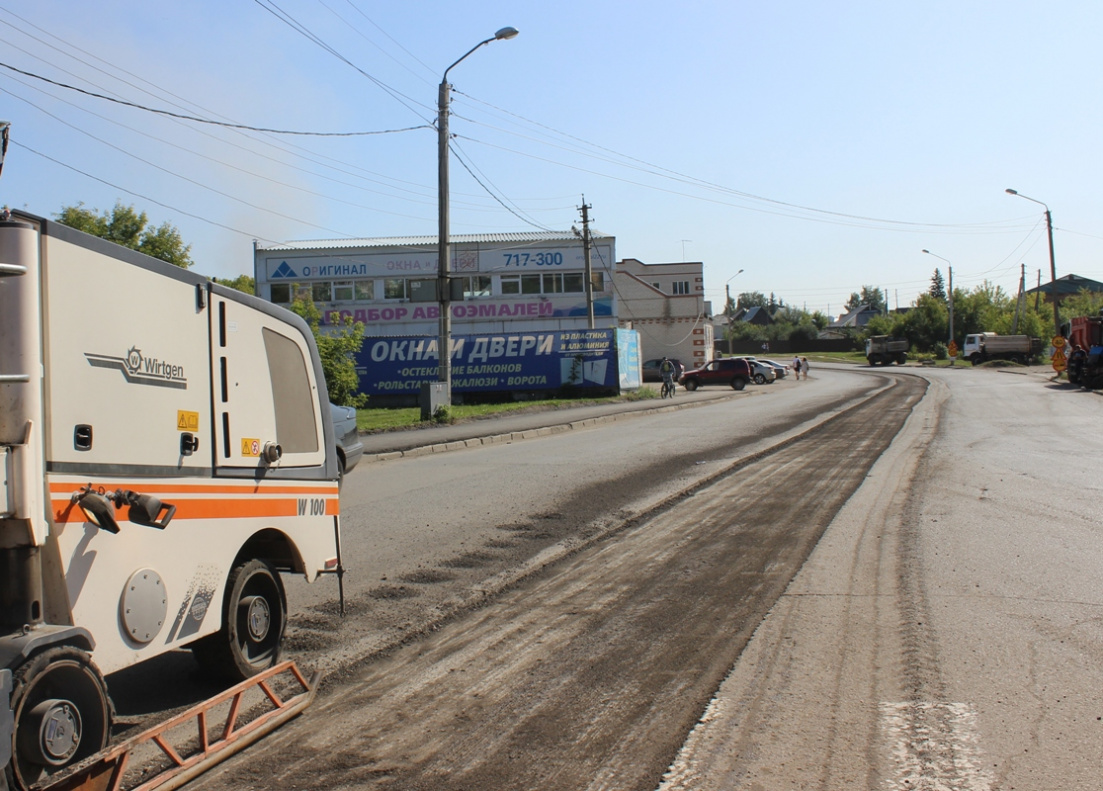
x: 755, y: 315
x: 1067, y: 286
x: 855, y: 319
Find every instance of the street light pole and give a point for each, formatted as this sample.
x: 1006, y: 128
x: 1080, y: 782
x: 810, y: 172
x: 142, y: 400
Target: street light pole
x: 444, y: 264
x: 1052, y: 264
x: 950, y: 291
x: 728, y: 306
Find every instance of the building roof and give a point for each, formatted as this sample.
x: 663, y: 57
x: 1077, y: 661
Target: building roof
x: 753, y: 315
x: 858, y: 317
x: 1067, y: 285
x: 522, y: 238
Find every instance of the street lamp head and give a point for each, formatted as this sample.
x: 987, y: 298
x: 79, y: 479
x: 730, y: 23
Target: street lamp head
x: 928, y: 252
x: 1011, y: 192
x: 506, y: 33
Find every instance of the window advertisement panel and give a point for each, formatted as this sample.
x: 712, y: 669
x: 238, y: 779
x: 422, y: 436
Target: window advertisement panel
x: 584, y: 359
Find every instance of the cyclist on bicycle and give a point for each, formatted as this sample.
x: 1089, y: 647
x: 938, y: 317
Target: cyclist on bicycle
x: 667, y: 369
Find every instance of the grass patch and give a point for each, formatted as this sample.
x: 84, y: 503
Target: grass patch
x: 374, y: 420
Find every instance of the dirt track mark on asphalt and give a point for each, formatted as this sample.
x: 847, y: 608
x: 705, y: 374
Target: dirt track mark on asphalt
x: 590, y: 673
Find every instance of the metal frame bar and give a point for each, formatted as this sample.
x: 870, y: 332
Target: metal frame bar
x: 105, y: 771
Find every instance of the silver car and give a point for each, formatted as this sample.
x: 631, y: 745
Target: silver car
x: 762, y: 373
x: 349, y: 447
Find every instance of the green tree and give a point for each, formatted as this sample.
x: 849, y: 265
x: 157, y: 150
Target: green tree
x: 1084, y: 303
x: 246, y: 284
x: 752, y: 299
x: 337, y: 348
x: 938, y: 286
x: 870, y: 295
x: 125, y: 226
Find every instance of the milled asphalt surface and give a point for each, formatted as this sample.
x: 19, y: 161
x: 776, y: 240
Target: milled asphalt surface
x: 525, y: 425
x: 515, y: 426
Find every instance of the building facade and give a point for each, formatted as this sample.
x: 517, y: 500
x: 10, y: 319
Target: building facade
x: 665, y: 304
x: 511, y: 282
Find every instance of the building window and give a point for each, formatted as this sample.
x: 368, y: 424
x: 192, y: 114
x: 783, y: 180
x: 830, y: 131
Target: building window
x: 394, y: 288
x: 477, y: 287
x: 597, y: 281
x: 322, y: 291
x: 680, y: 287
x: 281, y: 293
x: 550, y: 283
x: 530, y: 284
x: 365, y: 290
x: 343, y: 291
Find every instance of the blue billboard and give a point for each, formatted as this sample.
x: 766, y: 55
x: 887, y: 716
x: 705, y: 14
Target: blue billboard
x: 554, y: 360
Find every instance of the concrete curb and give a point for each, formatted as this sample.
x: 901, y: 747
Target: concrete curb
x: 523, y: 434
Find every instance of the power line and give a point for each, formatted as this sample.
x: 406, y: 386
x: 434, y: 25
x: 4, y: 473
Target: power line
x: 516, y: 212
x: 197, y: 119
x: 271, y: 7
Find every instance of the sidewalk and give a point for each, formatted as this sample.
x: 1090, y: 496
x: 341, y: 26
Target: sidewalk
x: 511, y: 427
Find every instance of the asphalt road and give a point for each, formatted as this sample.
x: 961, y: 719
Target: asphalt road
x: 721, y: 597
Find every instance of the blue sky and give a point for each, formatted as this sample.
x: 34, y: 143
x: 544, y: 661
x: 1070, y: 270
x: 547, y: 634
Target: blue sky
x: 819, y: 147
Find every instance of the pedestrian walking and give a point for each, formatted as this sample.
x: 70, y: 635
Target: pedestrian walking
x: 804, y: 366
x: 795, y: 365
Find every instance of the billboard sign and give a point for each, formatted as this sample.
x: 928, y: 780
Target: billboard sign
x: 552, y: 360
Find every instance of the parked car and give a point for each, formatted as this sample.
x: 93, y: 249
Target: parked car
x: 731, y: 371
x: 349, y: 447
x: 651, y: 371
x: 780, y: 370
x: 762, y: 372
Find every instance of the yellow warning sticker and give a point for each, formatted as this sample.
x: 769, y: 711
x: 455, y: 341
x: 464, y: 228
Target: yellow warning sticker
x: 187, y: 421
x: 250, y: 447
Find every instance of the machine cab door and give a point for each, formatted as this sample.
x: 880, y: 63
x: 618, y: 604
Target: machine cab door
x: 265, y: 394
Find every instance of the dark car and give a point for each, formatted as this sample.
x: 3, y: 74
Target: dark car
x: 349, y: 447
x: 729, y: 371
x: 651, y: 371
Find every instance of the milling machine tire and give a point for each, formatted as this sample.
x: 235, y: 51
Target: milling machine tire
x: 254, y: 617
x: 62, y: 714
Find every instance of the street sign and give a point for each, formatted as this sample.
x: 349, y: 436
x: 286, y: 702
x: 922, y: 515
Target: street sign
x: 1059, y: 361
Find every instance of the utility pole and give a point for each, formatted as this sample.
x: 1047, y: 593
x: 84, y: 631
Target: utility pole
x: 586, y: 262
x: 1019, y: 301
x: 951, y: 270
x: 1038, y: 292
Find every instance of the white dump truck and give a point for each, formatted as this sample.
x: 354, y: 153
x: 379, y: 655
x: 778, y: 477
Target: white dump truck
x: 165, y: 454
x: 984, y: 346
x: 883, y: 350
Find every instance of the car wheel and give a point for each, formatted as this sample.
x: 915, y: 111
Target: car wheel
x: 738, y: 383
x: 691, y: 385
x: 759, y: 379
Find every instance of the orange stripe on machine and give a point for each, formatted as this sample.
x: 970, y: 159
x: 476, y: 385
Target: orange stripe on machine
x: 225, y: 508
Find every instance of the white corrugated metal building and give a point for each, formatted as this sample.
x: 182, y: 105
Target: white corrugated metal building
x: 512, y: 282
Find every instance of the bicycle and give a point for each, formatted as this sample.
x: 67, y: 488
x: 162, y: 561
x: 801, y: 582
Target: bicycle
x: 668, y: 389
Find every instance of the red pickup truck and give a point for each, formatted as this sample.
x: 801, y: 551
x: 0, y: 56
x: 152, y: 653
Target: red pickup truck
x: 729, y: 371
